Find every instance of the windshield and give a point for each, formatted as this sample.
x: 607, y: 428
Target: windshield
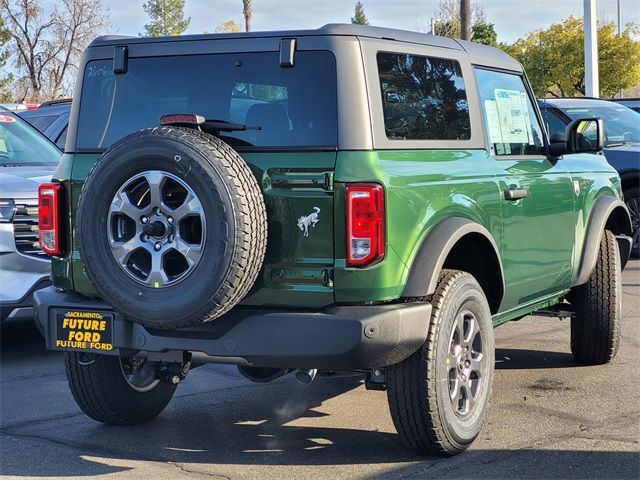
x: 285, y: 106
x: 21, y: 144
x: 621, y: 124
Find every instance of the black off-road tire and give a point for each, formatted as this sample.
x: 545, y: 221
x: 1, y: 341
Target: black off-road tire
x: 236, y: 226
x: 100, y: 389
x: 596, y: 326
x: 418, y: 387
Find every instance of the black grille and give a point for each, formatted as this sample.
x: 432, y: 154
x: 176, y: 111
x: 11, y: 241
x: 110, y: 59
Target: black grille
x: 25, y: 228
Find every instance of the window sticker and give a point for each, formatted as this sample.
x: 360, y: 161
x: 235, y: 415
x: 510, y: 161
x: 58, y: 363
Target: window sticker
x: 493, y: 121
x: 513, y: 115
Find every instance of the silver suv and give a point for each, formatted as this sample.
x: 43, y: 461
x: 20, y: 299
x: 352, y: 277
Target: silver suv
x: 27, y: 158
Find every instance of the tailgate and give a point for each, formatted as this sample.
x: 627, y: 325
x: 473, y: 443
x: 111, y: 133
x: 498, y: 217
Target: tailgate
x: 298, y: 192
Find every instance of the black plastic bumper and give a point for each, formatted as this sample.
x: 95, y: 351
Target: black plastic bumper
x: 340, y: 337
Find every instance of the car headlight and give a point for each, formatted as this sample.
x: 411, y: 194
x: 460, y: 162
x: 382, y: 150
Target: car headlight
x: 7, y: 210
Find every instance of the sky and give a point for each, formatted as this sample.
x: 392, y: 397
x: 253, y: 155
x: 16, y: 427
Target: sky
x: 512, y: 18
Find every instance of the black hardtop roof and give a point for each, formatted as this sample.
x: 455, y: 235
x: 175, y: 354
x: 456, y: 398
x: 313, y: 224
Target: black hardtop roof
x: 480, y: 54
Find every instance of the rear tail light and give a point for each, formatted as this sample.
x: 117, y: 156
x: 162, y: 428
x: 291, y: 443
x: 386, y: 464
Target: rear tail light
x: 365, y: 224
x: 48, y: 217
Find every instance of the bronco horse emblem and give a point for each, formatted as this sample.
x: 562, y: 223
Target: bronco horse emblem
x: 309, y: 221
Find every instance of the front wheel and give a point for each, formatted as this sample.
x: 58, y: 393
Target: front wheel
x: 595, y: 328
x: 115, y: 390
x: 439, y: 396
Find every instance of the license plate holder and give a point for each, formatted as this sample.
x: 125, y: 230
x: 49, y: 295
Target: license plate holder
x: 85, y: 330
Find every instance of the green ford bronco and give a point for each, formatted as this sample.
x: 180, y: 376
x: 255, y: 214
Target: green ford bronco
x: 347, y: 200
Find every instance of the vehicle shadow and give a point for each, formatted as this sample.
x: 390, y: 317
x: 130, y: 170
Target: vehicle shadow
x: 520, y: 359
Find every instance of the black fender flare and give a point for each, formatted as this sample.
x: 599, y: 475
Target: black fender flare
x: 603, y: 209
x: 423, y: 275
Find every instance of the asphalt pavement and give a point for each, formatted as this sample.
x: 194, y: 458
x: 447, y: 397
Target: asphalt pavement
x: 549, y: 418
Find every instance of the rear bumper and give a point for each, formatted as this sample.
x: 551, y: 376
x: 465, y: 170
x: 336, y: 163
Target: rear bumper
x: 340, y: 338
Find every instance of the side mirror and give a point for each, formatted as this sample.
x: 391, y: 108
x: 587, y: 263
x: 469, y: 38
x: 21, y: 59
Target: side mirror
x: 585, y: 135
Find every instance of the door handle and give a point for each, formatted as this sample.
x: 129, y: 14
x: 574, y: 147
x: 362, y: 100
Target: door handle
x: 516, y: 194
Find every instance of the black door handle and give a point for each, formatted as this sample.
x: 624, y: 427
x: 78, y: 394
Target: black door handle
x: 516, y: 194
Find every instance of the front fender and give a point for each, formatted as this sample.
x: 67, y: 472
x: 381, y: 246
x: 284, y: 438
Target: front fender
x: 607, y: 212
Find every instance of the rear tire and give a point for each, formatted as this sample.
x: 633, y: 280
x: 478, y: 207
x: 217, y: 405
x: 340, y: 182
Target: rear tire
x: 595, y: 328
x: 103, y: 392
x: 422, y: 390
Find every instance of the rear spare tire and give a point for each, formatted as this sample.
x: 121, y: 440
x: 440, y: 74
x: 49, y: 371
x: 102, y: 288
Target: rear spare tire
x: 171, y: 227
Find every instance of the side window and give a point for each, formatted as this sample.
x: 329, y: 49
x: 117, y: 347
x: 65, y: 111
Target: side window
x: 511, y: 123
x: 553, y: 122
x: 423, y: 98
x: 62, y: 138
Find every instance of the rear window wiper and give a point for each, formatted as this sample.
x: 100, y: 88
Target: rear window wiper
x: 198, y: 121
x: 225, y: 126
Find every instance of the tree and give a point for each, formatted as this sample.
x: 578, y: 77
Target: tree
x: 5, y: 79
x: 449, y: 11
x: 484, y: 33
x: 359, y: 18
x: 228, y: 27
x: 167, y: 18
x: 47, y: 46
x: 554, y: 58
x: 247, y: 11
x: 448, y: 22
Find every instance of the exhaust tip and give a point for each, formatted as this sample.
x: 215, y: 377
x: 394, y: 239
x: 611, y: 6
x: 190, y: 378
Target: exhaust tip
x: 306, y: 376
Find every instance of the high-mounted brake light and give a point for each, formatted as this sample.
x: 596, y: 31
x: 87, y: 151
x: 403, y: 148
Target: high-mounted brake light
x: 365, y: 224
x: 48, y: 217
x: 186, y: 119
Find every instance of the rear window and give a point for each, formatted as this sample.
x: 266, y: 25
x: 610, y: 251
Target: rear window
x: 291, y: 106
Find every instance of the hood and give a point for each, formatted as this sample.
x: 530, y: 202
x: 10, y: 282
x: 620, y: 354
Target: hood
x: 22, y: 182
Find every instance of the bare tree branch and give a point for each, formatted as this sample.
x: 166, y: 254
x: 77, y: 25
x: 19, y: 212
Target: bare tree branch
x: 47, y: 46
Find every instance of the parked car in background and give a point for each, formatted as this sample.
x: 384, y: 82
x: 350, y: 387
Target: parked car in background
x: 622, y: 142
x: 632, y: 103
x: 51, y: 118
x: 16, y: 107
x: 27, y: 159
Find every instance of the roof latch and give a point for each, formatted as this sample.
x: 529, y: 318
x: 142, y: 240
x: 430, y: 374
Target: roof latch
x: 120, y: 57
x: 287, y: 52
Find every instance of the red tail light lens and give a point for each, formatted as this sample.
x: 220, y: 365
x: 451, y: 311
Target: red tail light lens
x: 48, y: 217
x: 365, y: 224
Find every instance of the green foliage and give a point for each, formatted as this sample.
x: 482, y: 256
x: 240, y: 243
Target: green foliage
x: 484, y: 33
x: 359, y: 18
x: 554, y: 58
x: 228, y: 27
x: 167, y: 17
x: 5, y: 80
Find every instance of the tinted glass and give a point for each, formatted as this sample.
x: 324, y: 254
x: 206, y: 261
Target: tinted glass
x: 423, y: 98
x: 22, y: 144
x: 62, y: 139
x: 621, y: 124
x: 553, y: 122
x: 291, y: 106
x: 41, y: 122
x: 512, y: 125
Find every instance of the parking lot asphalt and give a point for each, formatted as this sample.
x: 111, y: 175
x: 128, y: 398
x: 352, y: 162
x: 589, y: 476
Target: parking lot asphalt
x: 549, y: 418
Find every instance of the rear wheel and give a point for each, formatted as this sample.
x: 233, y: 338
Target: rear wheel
x: 117, y: 391
x: 439, y: 396
x: 595, y: 328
